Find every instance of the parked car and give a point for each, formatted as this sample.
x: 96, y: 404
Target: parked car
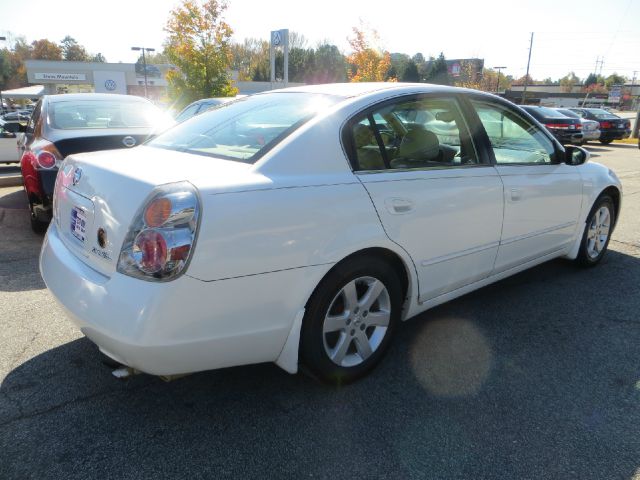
x: 17, y: 116
x: 201, y: 106
x: 8, y: 129
x: 612, y: 127
x: 565, y: 129
x: 590, y: 128
x: 72, y: 123
x: 302, y: 225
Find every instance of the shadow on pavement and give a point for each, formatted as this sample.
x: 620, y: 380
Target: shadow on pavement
x: 533, y: 377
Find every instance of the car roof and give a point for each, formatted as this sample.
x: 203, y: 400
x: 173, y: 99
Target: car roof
x: 356, y: 89
x: 103, y: 97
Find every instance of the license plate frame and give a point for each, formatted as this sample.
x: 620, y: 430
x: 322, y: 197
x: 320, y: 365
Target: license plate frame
x: 78, y: 223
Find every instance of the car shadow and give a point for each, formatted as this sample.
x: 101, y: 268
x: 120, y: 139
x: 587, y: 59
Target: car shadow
x: 534, y: 376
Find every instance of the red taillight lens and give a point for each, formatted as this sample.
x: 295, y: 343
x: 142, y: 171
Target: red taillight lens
x: 153, y: 248
x: 605, y: 125
x: 46, y: 159
x: 157, y: 212
x: 579, y: 126
x: 561, y: 126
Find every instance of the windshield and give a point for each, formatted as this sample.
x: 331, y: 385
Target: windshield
x: 245, y: 129
x: 85, y: 114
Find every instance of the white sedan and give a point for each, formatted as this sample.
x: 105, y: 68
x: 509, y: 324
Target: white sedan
x: 302, y: 225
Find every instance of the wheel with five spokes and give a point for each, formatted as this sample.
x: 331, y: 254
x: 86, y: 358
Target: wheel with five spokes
x: 350, y: 320
x: 597, y: 232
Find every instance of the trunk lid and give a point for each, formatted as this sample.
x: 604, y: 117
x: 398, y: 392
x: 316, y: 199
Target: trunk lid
x: 104, y: 190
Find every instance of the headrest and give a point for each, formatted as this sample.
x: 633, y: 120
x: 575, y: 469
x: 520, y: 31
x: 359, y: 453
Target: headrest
x: 362, y: 135
x: 419, y: 144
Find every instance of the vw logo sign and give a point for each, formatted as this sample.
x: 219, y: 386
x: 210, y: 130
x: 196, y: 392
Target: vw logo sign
x: 110, y: 85
x: 77, y: 175
x: 129, y: 141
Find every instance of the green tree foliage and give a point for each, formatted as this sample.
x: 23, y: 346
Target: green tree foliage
x: 329, y: 65
x: 45, y: 50
x: 98, y: 58
x: 199, y: 45
x: 72, y: 51
x: 591, y: 79
x: 410, y: 73
x: 614, y: 79
x: 568, y: 81
x: 438, y: 72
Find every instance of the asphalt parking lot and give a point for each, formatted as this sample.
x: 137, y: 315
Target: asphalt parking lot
x: 535, y: 377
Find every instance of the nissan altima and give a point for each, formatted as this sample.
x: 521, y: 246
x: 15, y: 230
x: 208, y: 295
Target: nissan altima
x: 301, y: 226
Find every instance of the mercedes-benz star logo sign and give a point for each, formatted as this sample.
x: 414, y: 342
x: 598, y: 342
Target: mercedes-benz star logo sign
x: 77, y: 175
x: 110, y: 85
x: 129, y: 141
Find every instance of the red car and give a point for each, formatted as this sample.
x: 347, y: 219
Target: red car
x: 65, y: 124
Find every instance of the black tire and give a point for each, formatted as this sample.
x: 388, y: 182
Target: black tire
x: 38, y: 226
x: 606, y: 141
x: 584, y: 258
x: 314, y: 342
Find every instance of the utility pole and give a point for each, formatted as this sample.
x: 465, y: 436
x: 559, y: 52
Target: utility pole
x: 526, y: 77
x: 636, y: 125
x: 498, y: 82
x: 144, y: 64
x: 1, y: 100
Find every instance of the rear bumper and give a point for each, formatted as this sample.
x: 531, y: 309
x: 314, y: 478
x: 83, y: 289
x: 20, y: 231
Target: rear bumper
x: 181, y: 326
x: 617, y: 134
x: 567, y: 136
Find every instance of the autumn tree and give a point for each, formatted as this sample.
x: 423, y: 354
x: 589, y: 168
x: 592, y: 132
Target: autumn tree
x: 199, y: 45
x: 45, y: 50
x: 367, y: 63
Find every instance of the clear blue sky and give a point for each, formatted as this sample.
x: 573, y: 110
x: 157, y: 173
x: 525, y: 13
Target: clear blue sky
x: 568, y: 35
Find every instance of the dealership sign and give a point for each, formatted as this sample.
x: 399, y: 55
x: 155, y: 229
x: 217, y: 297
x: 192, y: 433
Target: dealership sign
x: 60, y: 76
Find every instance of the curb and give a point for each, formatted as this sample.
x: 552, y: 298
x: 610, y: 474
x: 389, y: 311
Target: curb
x: 10, y: 180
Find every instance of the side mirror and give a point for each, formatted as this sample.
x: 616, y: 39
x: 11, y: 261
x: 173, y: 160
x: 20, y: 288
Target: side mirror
x: 575, y: 155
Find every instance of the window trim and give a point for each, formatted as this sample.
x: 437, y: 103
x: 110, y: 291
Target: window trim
x: 558, y: 151
x: 348, y: 142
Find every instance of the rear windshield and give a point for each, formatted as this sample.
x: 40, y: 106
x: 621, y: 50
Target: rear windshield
x: 246, y: 129
x: 82, y: 114
x: 569, y: 113
x: 600, y: 113
x: 544, y: 112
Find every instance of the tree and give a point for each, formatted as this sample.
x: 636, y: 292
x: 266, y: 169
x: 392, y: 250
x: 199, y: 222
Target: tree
x: 45, y: 50
x: 199, y: 45
x: 410, y: 73
x: 591, y: 79
x: 98, y: 58
x: 568, y: 81
x: 614, y: 79
x: 329, y: 65
x: 72, y: 51
x: 367, y: 63
x: 438, y: 71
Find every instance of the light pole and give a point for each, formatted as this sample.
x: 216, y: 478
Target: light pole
x: 144, y: 65
x: 498, y: 82
x: 1, y: 100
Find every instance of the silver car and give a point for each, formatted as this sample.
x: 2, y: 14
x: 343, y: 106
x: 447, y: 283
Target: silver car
x: 590, y: 128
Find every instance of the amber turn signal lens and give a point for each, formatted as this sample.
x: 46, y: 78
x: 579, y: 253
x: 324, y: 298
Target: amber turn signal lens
x: 157, y: 212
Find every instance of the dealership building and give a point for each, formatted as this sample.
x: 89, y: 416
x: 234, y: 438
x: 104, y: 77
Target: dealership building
x: 49, y: 77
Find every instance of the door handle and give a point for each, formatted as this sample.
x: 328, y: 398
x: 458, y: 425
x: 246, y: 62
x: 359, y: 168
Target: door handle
x: 398, y: 206
x: 516, y: 194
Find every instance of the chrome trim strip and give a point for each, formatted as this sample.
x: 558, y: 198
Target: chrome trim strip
x: 451, y: 256
x: 534, y: 234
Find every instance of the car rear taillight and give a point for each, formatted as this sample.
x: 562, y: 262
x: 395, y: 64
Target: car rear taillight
x: 606, y: 125
x: 557, y: 126
x: 579, y: 126
x: 46, y: 159
x: 161, y: 239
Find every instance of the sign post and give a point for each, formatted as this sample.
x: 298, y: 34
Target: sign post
x: 279, y: 38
